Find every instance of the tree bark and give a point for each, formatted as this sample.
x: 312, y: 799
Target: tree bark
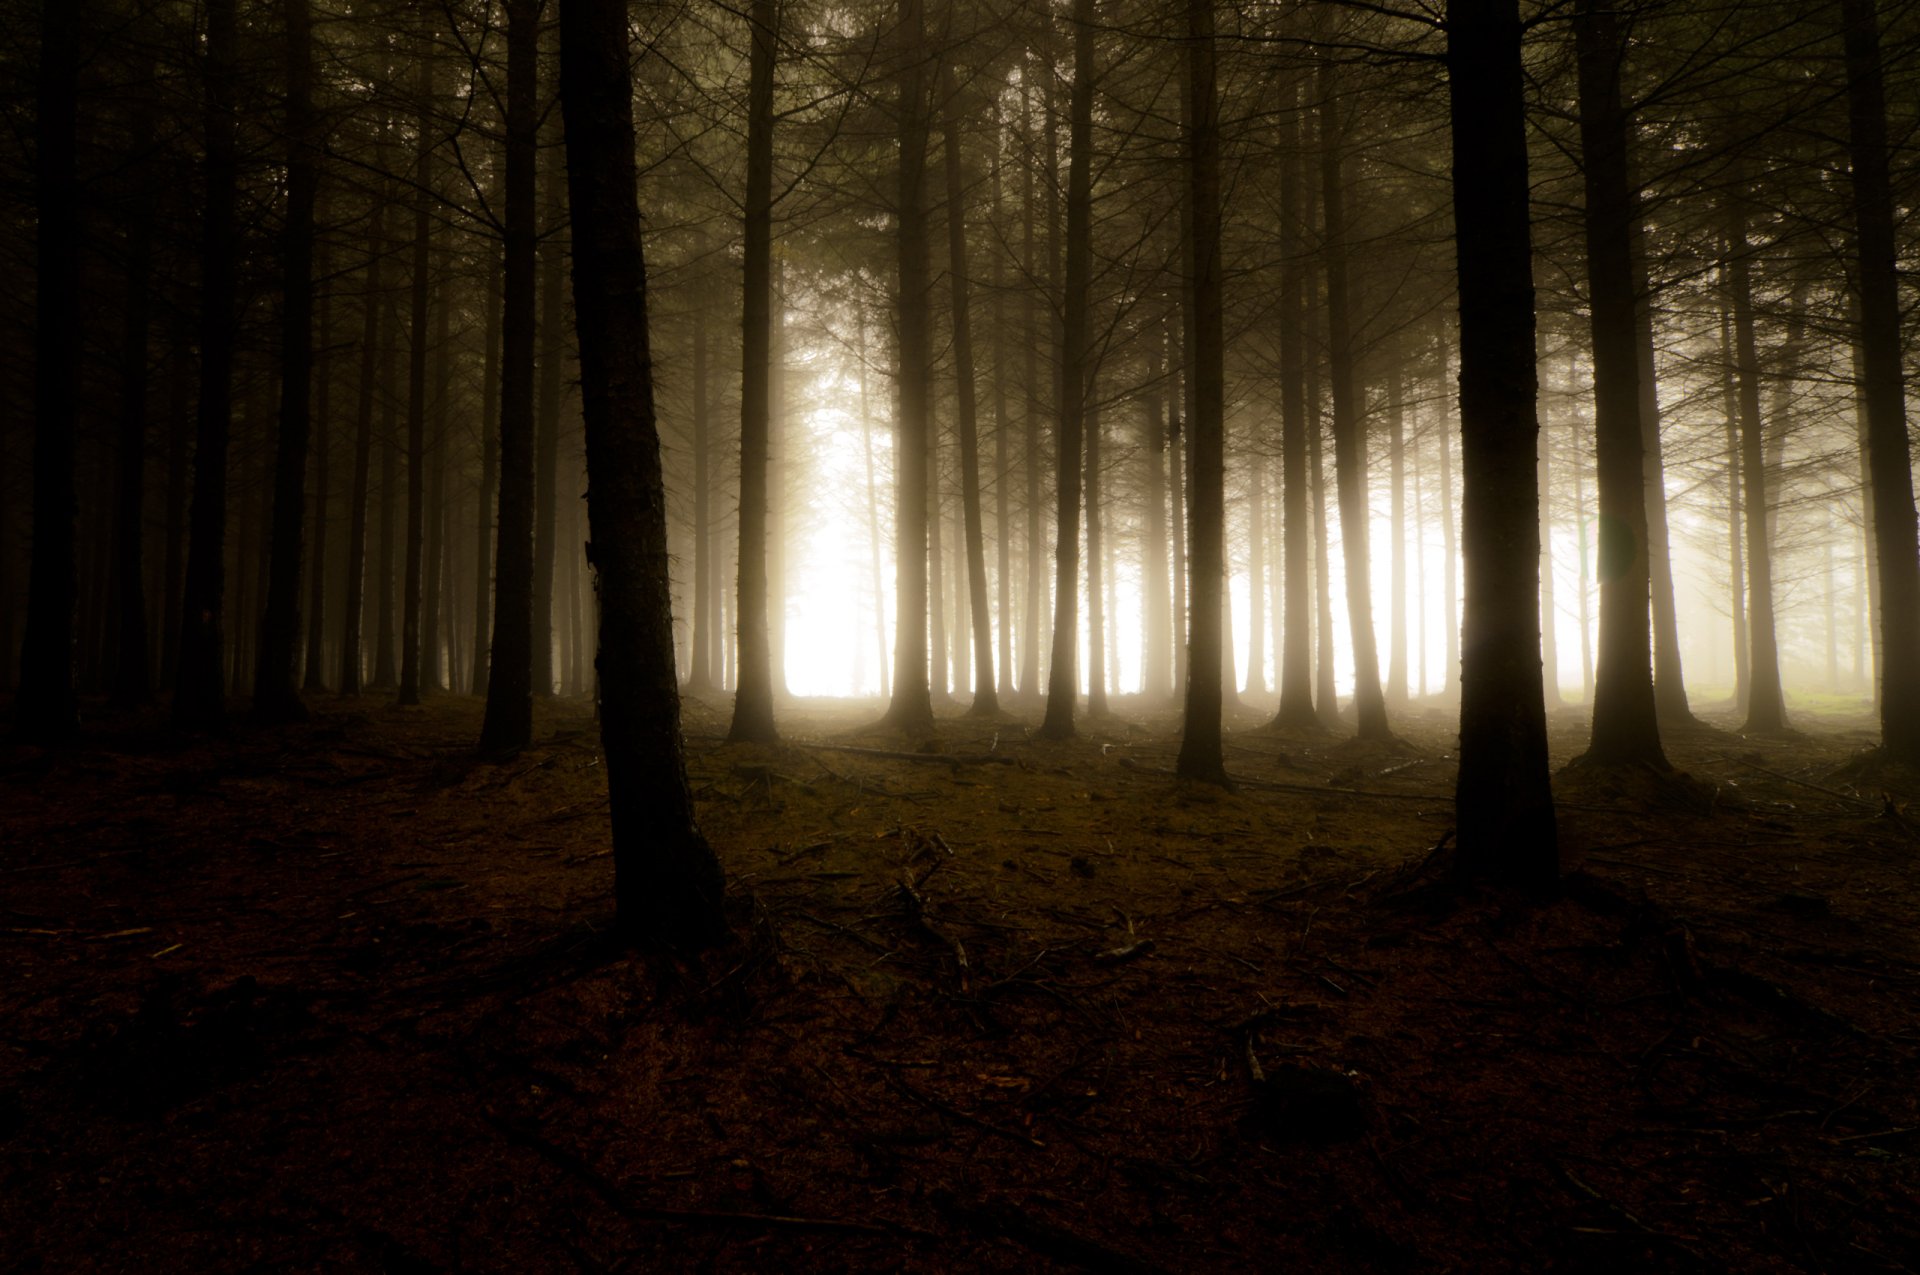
x: 753, y: 700
x: 986, y: 702
x: 1295, y: 711
x: 1503, y: 800
x: 275, y: 697
x: 552, y: 344
x: 1896, y: 536
x: 199, y: 699
x: 668, y: 888
x: 508, y: 724
x: 911, y: 707
x: 1201, y: 755
x: 131, y: 671
x: 410, y: 635
x: 1349, y: 430
x: 372, y: 302
x: 1625, y: 725
x: 1063, y: 675
x: 314, y: 676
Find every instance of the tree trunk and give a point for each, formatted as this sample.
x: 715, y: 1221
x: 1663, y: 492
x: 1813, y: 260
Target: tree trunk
x: 1397, y: 670
x: 1549, y: 607
x: 1766, y: 701
x: 1669, y: 687
x: 508, y: 724
x: 1034, y: 563
x: 372, y: 302
x: 1097, y: 575
x: 385, y: 673
x: 1256, y: 683
x: 1450, y: 583
x: 1296, y: 655
x: 1625, y: 727
x: 911, y: 707
x: 1349, y: 430
x: 552, y: 341
x: 668, y: 888
x: 1895, y: 534
x: 314, y: 678
x: 1736, y: 546
x: 131, y: 671
x: 1503, y: 800
x: 1156, y: 662
x: 275, y: 697
x: 873, y: 511
x: 1063, y: 676
x: 753, y: 701
x: 489, y: 478
x: 1201, y: 754
x: 410, y: 635
x: 986, y: 701
x: 1002, y: 473
x: 1326, y: 697
x: 199, y: 699
x: 433, y: 606
x: 45, y: 709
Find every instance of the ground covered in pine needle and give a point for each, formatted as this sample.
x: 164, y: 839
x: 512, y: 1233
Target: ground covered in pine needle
x: 334, y: 996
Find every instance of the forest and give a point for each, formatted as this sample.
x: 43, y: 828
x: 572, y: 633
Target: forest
x: 959, y: 635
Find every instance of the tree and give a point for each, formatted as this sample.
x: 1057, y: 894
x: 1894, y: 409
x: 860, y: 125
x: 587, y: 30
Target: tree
x: 199, y: 697
x: 753, y: 694
x: 668, y: 888
x: 1296, y: 656
x: 410, y: 624
x: 1625, y: 727
x: 1063, y: 680
x: 911, y: 708
x: 1896, y: 536
x: 509, y: 717
x: 275, y: 695
x: 1201, y: 752
x: 1503, y: 798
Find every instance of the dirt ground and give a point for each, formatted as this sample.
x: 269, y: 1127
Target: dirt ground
x: 332, y: 997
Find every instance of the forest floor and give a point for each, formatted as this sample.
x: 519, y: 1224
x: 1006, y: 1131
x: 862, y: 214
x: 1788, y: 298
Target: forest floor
x: 332, y: 996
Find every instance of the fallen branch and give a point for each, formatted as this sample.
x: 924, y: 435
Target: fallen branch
x: 949, y: 759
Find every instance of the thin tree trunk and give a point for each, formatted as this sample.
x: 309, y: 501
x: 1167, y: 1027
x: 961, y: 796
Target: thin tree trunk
x: 1736, y: 546
x: 873, y: 512
x: 1097, y: 575
x: 1896, y: 536
x: 1397, y: 671
x: 372, y: 302
x: 1030, y: 610
x: 1450, y: 583
x: 1349, y: 429
x: 1503, y: 799
x: 1156, y: 656
x: 1256, y: 683
x: 986, y: 701
x: 385, y: 672
x: 700, y: 668
x: 410, y: 626
x: 508, y: 724
x: 1625, y: 725
x: 489, y: 472
x: 1325, y: 694
x: 1002, y: 473
x: 275, y: 697
x: 433, y: 605
x: 1063, y: 675
x: 1201, y: 755
x: 552, y: 343
x: 1766, y: 701
x: 199, y: 700
x: 753, y: 701
x: 1549, y: 606
x: 314, y: 677
x: 667, y: 884
x: 131, y: 673
x: 1295, y: 711
x: 911, y: 707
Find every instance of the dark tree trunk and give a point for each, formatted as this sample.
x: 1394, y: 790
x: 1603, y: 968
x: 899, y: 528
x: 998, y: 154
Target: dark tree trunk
x: 1034, y: 601
x: 199, y: 699
x: 1504, y: 801
x: 489, y: 478
x: 1549, y: 606
x: 131, y: 673
x: 1326, y: 699
x: 417, y: 384
x: 433, y: 606
x: 275, y: 697
x: 700, y: 667
x: 1002, y: 474
x: 667, y: 883
x: 1063, y: 677
x: 873, y: 512
x: 753, y: 699
x: 1896, y: 538
x: 314, y: 678
x: 509, y: 718
x: 1766, y: 700
x: 1157, y: 654
x: 180, y: 430
x: 1669, y: 687
x: 351, y: 657
x: 45, y: 708
x: 1625, y: 726
x: 986, y: 702
x: 911, y: 707
x: 1451, y: 582
x: 1256, y: 683
x: 1201, y: 753
x: 1397, y: 489
x: 1349, y: 430
x: 1098, y: 577
x: 936, y: 578
x: 1296, y: 655
x: 546, y: 457
x: 386, y: 675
